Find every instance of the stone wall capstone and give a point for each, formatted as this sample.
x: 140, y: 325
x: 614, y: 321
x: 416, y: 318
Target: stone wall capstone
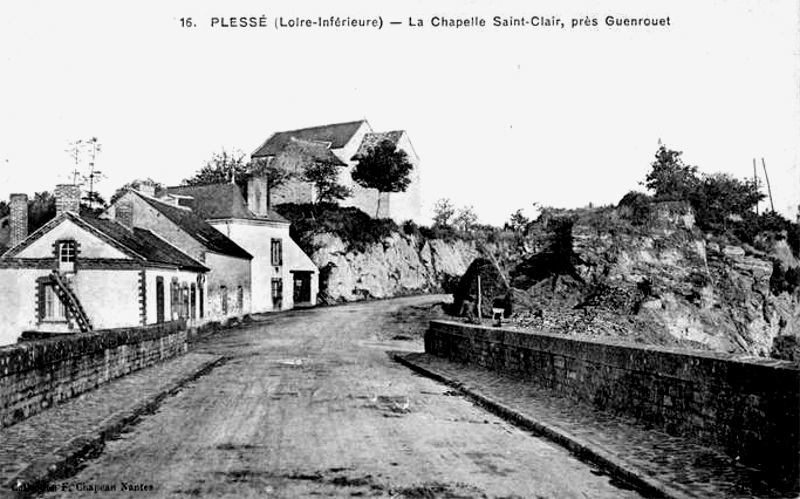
x: 35, y: 375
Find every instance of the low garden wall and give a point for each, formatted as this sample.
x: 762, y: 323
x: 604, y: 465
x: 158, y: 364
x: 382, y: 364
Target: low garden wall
x: 35, y: 375
x: 751, y: 408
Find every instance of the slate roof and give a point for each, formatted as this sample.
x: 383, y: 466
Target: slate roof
x: 316, y: 151
x: 373, y: 139
x: 338, y: 135
x: 197, y: 228
x: 145, y: 243
x: 140, y: 244
x: 219, y: 201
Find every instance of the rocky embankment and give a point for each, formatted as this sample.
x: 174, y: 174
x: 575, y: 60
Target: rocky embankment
x: 399, y: 265
x: 668, y: 283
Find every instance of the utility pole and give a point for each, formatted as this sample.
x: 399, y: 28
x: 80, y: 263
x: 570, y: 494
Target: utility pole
x: 769, y: 189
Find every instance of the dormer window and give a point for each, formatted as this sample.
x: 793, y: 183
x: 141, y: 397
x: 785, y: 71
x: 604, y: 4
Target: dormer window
x: 67, y: 251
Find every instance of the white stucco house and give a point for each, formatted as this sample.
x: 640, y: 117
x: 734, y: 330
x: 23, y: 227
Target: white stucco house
x: 341, y: 144
x: 228, y: 290
x: 78, y: 274
x: 283, y: 276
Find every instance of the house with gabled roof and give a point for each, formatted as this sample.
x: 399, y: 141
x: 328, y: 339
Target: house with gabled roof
x: 227, y: 292
x: 79, y: 273
x: 283, y: 276
x: 344, y: 142
x: 214, y: 223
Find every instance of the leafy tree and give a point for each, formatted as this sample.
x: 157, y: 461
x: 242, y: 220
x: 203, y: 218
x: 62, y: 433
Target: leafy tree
x: 325, y: 177
x: 518, y: 221
x: 670, y: 178
x: 385, y: 168
x: 92, y: 204
x: 4, y: 209
x: 466, y: 219
x: 443, y: 212
x: 41, y: 209
x: 223, y: 167
x: 719, y: 196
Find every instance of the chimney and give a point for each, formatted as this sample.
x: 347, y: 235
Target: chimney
x: 145, y: 187
x: 18, y: 204
x: 68, y: 198
x: 258, y: 196
x: 123, y: 212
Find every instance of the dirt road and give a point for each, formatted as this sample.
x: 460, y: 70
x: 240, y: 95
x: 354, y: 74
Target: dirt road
x: 310, y: 405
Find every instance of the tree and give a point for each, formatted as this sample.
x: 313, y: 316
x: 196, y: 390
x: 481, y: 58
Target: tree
x: 4, y: 209
x: 443, y: 212
x: 719, y: 196
x: 670, y: 178
x: 275, y: 175
x: 223, y: 167
x: 466, y: 219
x: 385, y: 168
x: 518, y: 221
x: 41, y: 209
x: 325, y: 177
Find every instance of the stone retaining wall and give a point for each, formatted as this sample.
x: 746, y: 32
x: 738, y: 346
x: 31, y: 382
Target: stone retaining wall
x: 35, y: 375
x: 751, y: 408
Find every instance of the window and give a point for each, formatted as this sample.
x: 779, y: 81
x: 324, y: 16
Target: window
x: 277, y: 294
x: 223, y: 294
x: 202, y: 296
x: 53, y: 308
x: 240, y: 298
x: 277, y: 252
x: 193, y: 301
x: 67, y: 251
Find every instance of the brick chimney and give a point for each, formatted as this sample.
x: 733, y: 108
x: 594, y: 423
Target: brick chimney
x: 18, y: 216
x: 68, y: 198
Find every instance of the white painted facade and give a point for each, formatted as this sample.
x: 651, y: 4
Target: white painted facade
x: 226, y: 275
x: 257, y: 236
x: 114, y: 289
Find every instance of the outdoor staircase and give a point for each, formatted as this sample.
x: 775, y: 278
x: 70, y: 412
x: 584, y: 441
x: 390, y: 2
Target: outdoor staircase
x: 70, y: 301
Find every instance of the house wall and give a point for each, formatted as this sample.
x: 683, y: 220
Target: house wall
x: 110, y: 298
x: 17, y: 302
x: 255, y: 237
x: 231, y: 273
x: 400, y: 206
x: 184, y: 278
x: 407, y: 205
x: 90, y: 246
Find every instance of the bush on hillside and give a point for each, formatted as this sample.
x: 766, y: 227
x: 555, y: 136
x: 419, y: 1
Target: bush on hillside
x: 354, y: 227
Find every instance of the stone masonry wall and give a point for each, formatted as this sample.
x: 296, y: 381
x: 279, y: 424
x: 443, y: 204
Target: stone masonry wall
x: 751, y: 408
x: 35, y: 375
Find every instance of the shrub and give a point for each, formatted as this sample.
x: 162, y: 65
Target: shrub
x: 636, y: 207
x: 354, y: 227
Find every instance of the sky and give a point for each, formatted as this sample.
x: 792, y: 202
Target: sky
x: 501, y: 117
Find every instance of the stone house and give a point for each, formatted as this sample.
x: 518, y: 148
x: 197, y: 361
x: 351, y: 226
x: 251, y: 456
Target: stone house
x: 79, y: 273
x: 229, y: 280
x: 283, y: 276
x: 341, y: 144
